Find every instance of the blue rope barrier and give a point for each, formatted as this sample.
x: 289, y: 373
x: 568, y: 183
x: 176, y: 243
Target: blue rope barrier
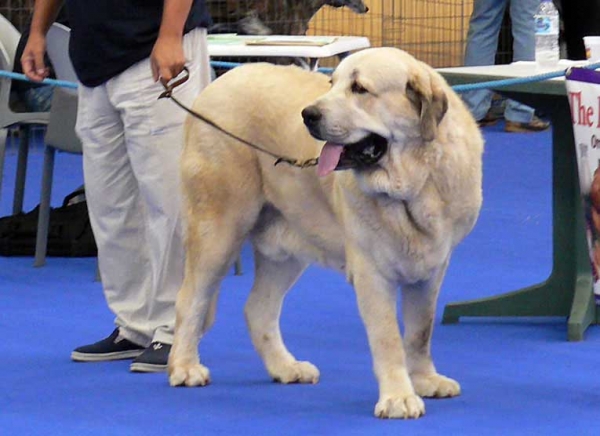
x: 466, y: 87
x: 457, y: 88
x: 507, y: 82
x: 228, y: 65
x: 517, y: 81
x: 51, y: 82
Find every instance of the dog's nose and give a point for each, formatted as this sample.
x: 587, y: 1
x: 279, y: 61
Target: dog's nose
x: 312, y: 115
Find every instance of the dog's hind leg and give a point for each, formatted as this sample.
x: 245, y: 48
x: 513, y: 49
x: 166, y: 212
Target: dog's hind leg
x: 209, y: 258
x: 220, y: 214
x: 272, y: 281
x: 418, y: 307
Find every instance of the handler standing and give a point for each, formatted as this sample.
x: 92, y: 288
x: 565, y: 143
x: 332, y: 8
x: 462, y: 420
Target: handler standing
x: 121, y: 51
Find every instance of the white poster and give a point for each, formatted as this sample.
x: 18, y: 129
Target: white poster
x: 583, y: 88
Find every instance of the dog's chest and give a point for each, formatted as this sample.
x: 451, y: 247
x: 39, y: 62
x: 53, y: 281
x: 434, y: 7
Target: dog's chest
x: 406, y: 240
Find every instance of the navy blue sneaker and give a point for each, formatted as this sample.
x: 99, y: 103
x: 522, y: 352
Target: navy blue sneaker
x: 153, y: 359
x: 114, y: 347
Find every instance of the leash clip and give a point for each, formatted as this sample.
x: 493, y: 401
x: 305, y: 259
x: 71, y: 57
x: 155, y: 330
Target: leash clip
x: 175, y: 82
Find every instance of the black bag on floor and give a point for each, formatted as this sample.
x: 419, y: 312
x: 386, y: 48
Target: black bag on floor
x: 69, y: 230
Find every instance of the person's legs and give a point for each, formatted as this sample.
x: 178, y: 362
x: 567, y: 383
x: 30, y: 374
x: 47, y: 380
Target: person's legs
x: 132, y: 144
x: 523, y: 31
x: 154, y: 140
x: 116, y: 213
x: 38, y: 99
x: 482, y: 43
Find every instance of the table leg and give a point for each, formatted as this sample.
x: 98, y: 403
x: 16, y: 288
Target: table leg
x: 568, y: 290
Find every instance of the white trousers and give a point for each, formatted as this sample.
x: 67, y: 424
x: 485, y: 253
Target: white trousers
x: 132, y: 144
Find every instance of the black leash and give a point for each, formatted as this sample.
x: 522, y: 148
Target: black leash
x: 168, y: 93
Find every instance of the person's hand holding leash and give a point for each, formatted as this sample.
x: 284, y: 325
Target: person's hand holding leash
x: 167, y: 58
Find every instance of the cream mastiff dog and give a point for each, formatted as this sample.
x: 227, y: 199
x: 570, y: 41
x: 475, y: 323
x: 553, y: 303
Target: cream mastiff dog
x: 398, y: 186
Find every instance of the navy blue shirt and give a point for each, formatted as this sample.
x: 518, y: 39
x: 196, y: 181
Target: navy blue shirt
x: 109, y: 36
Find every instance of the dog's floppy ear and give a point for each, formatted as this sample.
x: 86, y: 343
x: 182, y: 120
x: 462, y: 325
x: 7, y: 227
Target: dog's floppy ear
x: 430, y: 100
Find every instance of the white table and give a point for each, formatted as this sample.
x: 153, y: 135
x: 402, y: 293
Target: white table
x: 568, y: 291
x: 237, y: 46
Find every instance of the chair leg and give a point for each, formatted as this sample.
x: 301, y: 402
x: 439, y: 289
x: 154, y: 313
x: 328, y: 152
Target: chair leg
x: 21, y: 169
x: 3, y: 138
x: 41, y: 240
x: 238, y: 266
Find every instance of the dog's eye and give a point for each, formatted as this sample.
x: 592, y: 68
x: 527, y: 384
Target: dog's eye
x: 357, y: 88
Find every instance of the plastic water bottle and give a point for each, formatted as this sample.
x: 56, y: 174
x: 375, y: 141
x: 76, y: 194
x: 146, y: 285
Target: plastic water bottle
x: 546, y: 34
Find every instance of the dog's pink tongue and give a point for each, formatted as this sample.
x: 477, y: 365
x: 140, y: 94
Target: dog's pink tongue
x: 330, y: 156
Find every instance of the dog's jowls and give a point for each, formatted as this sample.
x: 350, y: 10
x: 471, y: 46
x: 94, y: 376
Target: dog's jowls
x: 411, y: 191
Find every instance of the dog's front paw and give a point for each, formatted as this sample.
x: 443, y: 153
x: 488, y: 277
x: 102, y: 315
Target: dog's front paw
x: 402, y: 407
x: 189, y: 375
x: 295, y: 372
x: 435, y: 386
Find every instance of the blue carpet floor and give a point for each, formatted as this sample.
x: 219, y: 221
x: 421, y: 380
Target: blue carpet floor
x: 519, y: 376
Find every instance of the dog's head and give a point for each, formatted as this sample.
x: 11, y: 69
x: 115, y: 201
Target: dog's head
x: 379, y: 98
x: 357, y: 6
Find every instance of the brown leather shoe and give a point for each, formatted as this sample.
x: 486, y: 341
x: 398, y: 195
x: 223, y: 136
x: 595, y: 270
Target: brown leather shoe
x: 535, y: 125
x: 490, y: 119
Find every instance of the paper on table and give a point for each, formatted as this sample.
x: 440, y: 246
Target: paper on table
x: 224, y: 38
x: 317, y: 41
x: 562, y: 63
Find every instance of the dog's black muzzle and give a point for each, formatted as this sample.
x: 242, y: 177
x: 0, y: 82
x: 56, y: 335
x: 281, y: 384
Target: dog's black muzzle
x: 312, y: 117
x: 364, y: 153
